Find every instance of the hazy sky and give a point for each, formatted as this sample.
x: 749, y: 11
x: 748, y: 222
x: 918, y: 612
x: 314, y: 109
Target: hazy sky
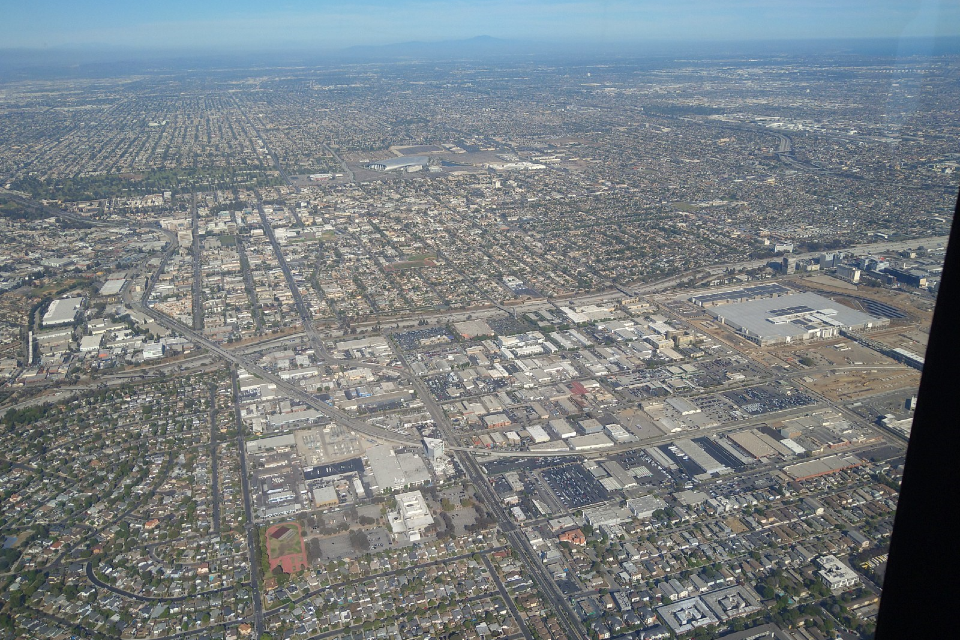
x: 323, y: 24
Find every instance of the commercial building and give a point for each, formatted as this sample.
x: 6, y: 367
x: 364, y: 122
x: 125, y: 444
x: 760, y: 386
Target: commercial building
x: 790, y: 318
x: 470, y: 329
x: 412, y: 516
x: 912, y: 277
x: 396, y: 164
x: 434, y: 448
x: 62, y: 311
x: 392, y: 471
x: 848, y: 273
x: 324, y: 497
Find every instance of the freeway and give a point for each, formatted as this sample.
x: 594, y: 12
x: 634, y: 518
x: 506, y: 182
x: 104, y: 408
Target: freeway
x: 862, y: 249
x: 289, y: 388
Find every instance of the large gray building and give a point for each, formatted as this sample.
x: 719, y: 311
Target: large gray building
x: 62, y: 311
x: 403, y: 162
x: 791, y: 318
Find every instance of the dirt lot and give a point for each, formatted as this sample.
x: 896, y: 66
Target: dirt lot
x: 736, y: 525
x: 911, y: 339
x: 854, y: 384
x: 832, y: 353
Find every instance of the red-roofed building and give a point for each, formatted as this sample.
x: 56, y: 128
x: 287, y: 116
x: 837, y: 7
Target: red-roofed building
x: 574, y: 536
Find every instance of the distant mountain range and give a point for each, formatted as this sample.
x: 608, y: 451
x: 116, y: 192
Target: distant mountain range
x: 470, y: 47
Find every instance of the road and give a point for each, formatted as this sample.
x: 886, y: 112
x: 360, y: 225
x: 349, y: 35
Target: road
x: 301, y: 307
x: 249, y: 285
x: 291, y: 389
x: 507, y: 599
x: 214, y: 462
x: 197, y: 265
x: 348, y: 172
x: 249, y: 527
x: 92, y: 577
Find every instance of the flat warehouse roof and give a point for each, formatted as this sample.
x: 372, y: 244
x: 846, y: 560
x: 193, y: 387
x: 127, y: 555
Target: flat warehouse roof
x: 764, y: 317
x: 62, y: 311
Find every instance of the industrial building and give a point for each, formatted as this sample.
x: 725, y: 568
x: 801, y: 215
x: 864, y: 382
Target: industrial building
x: 112, y: 288
x: 644, y: 506
x: 325, y: 497
x: 791, y: 318
x: 589, y: 441
x: 396, y: 164
x: 562, y: 429
x: 822, y: 466
x: 742, y: 294
x: 62, y: 311
x: 394, y: 471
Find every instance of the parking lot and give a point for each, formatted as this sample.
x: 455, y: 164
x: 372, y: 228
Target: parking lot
x: 338, y: 547
x: 767, y: 398
x: 574, y: 486
x: 413, y: 340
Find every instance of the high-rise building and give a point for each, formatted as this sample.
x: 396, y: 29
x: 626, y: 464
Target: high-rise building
x: 434, y: 448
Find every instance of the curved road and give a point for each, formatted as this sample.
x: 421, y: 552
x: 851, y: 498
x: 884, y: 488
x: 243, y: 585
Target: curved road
x: 92, y: 577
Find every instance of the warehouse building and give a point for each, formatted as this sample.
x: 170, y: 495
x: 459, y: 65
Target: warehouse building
x: 791, y: 318
x: 392, y: 471
x: 403, y: 163
x: 62, y: 311
x: 590, y: 441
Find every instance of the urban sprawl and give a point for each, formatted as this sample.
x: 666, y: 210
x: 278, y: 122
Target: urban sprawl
x: 539, y: 350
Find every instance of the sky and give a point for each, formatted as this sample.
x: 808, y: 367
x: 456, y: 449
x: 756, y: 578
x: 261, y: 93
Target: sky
x: 325, y: 25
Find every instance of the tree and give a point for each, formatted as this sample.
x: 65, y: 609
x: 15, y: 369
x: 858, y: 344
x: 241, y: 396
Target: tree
x: 359, y: 541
